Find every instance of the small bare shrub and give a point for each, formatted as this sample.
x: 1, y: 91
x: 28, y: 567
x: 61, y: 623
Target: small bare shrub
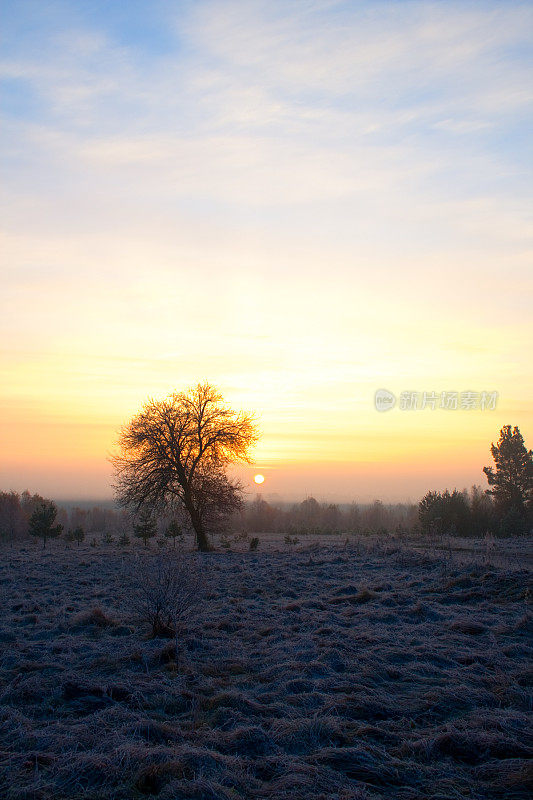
x: 254, y: 543
x: 165, y: 592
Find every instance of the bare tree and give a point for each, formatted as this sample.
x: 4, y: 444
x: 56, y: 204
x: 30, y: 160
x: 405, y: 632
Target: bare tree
x: 13, y: 523
x: 174, y: 454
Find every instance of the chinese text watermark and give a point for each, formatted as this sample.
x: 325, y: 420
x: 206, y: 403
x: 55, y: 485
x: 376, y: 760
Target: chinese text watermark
x: 448, y: 401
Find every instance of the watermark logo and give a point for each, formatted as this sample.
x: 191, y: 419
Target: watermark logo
x: 448, y: 401
x: 384, y: 400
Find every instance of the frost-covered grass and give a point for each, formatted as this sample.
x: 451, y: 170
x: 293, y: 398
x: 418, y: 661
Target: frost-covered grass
x: 337, y: 673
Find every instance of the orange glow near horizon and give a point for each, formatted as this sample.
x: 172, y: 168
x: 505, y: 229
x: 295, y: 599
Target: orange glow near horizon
x: 320, y: 431
x: 354, y: 453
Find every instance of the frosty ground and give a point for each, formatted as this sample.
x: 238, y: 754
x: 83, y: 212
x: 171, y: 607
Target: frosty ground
x: 363, y: 671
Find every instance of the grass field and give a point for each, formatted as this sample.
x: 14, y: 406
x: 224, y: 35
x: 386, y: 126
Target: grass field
x: 336, y: 672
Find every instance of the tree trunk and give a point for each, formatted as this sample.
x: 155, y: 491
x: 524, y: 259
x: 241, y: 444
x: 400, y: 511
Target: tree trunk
x: 201, y: 536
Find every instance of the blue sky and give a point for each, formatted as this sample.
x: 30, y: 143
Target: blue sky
x: 300, y: 201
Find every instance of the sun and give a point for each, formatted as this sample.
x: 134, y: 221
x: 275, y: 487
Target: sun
x: 259, y: 478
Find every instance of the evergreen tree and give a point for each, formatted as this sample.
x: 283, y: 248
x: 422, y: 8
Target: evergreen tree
x: 78, y: 534
x: 174, y: 532
x: 42, y: 521
x: 145, y: 528
x: 511, y: 478
x: 445, y: 513
x: 481, y: 511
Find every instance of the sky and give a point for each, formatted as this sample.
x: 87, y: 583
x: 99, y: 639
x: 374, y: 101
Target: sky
x: 302, y: 203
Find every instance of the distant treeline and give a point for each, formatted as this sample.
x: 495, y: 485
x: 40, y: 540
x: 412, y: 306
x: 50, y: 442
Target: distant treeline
x: 17, y: 509
x: 462, y: 513
x: 312, y: 517
x: 257, y: 516
x: 449, y: 513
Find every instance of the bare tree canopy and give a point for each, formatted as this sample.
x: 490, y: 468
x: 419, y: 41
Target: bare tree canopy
x: 174, y: 454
